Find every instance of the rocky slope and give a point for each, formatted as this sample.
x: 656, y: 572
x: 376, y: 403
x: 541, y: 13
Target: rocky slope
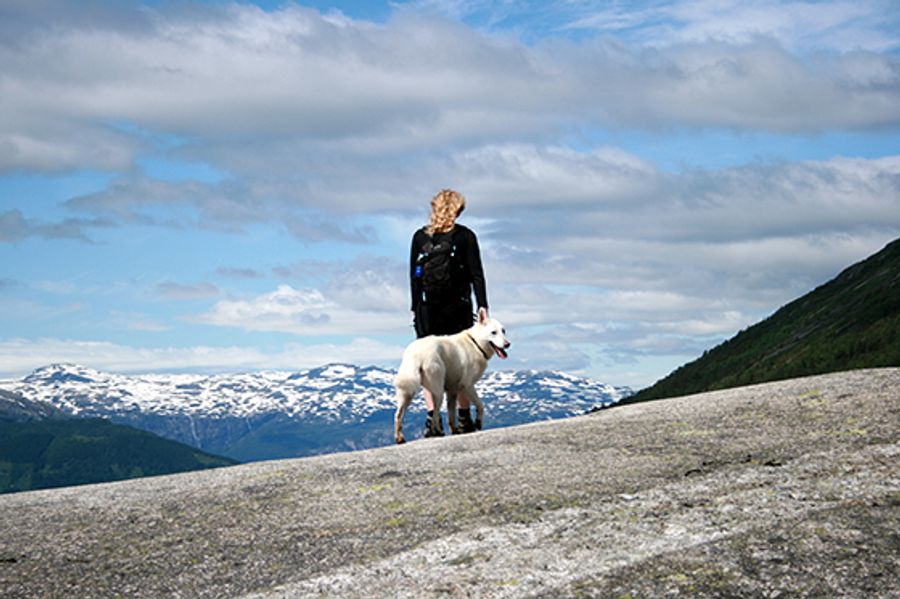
x: 782, y: 489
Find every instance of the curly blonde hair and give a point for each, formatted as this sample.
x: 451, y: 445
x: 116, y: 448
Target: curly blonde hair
x: 445, y: 207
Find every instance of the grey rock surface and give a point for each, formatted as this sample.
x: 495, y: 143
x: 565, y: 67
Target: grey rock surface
x: 779, y: 490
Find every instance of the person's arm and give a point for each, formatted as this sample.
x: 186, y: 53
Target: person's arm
x: 476, y: 271
x: 414, y: 290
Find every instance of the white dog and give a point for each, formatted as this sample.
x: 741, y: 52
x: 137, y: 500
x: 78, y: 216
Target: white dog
x: 451, y: 363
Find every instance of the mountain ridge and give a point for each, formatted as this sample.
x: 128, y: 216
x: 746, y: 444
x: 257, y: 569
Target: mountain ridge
x: 851, y: 321
x: 280, y: 414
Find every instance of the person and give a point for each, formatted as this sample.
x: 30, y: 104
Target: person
x: 446, y: 311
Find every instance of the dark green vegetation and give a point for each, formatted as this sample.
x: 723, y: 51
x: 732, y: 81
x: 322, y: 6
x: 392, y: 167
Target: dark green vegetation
x: 853, y: 321
x: 41, y: 454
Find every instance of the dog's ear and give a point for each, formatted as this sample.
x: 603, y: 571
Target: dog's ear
x: 482, y: 316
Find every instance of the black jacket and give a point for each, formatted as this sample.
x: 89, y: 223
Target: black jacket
x: 469, y: 256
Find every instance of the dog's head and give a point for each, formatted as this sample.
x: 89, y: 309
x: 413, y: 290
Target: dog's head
x: 490, y: 331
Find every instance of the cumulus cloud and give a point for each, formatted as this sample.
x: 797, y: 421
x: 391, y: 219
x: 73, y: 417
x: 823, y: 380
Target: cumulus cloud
x: 324, y: 297
x: 273, y: 98
x: 310, y: 312
x: 215, y: 76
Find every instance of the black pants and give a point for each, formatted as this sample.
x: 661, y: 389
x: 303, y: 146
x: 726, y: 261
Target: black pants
x: 443, y: 319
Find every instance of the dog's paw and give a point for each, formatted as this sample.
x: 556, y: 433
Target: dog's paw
x: 400, y: 440
x: 477, y: 424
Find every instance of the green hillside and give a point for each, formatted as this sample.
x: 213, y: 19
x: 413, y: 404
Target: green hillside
x: 41, y: 454
x: 853, y: 321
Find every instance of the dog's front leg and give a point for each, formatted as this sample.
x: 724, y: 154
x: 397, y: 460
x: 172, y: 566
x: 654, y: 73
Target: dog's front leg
x: 436, y: 390
x: 473, y: 398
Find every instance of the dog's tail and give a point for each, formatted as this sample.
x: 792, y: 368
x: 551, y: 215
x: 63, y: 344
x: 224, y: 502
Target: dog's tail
x: 409, y: 376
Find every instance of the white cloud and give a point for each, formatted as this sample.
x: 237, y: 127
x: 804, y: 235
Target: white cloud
x: 740, y: 205
x: 605, y: 189
x: 842, y: 26
x: 20, y: 356
x: 309, y: 312
x: 603, y: 236
x: 838, y: 25
x: 70, y: 146
x: 335, y: 131
x: 220, y: 77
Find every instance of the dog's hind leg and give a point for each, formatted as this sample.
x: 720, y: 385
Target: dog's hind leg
x: 403, y: 401
x: 433, y: 381
x: 406, y: 386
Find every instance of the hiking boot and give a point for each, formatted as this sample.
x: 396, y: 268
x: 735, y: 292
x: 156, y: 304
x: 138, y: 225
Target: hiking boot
x: 433, y: 427
x: 465, y: 424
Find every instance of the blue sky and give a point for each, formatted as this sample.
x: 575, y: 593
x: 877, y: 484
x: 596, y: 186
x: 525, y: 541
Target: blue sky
x: 232, y: 186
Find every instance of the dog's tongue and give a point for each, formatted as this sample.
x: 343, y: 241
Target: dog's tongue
x: 500, y: 352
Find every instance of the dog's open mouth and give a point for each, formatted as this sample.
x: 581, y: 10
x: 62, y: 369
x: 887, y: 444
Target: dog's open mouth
x: 499, y: 351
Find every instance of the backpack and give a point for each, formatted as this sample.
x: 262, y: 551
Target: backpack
x: 434, y: 266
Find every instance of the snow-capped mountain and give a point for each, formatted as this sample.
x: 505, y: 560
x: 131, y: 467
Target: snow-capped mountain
x: 268, y: 415
x: 15, y: 408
